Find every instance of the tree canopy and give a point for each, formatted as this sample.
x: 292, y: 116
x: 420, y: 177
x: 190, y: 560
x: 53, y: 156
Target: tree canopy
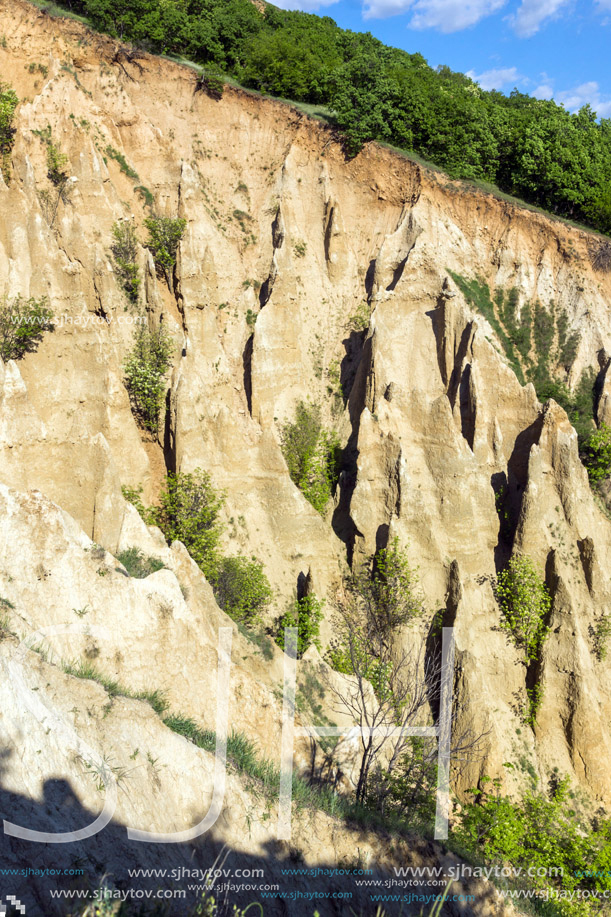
x: 531, y: 148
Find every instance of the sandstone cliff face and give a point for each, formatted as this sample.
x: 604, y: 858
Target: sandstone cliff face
x: 280, y: 226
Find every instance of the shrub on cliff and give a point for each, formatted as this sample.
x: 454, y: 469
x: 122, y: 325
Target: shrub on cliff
x: 23, y: 323
x: 525, y: 604
x: 145, y: 369
x: 597, y: 454
x: 164, y: 235
x: 312, y: 455
x: 8, y: 104
x: 306, y: 615
x: 537, y: 832
x: 124, y: 252
x: 189, y: 512
x: 138, y: 564
x: 242, y: 589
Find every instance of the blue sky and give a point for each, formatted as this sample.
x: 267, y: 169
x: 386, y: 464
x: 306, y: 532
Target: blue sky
x: 557, y: 49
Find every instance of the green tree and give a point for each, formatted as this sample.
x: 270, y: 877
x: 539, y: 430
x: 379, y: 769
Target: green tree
x: 145, y: 370
x: 23, y: 323
x: 58, y: 175
x: 377, y: 602
x: 525, y: 605
x: 164, y: 235
x: 597, y: 454
x: 189, y: 512
x: 125, y: 251
x: 390, y: 593
x: 242, y: 589
x: 306, y: 615
x: 57, y: 163
x: 8, y: 104
x: 312, y: 455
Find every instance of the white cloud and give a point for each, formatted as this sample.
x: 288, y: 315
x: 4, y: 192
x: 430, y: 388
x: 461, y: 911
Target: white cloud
x: 574, y: 99
x: 306, y: 6
x: 532, y: 13
x: 445, y: 15
x: 586, y: 93
x: 544, y: 91
x: 496, y: 79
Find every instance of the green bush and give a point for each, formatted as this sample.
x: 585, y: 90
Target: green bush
x: 597, y: 454
x: 579, y: 405
x: 145, y: 369
x: 138, y: 564
x: 56, y: 164
x: 391, y: 593
x: 535, y: 348
x: 384, y: 595
x: 312, y: 455
x: 538, y: 832
x: 125, y: 251
x: 120, y: 159
x: 189, y: 512
x: 58, y: 175
x: 145, y: 194
x: 412, y: 786
x: 242, y: 589
x: 306, y: 615
x: 602, y: 635
x: 22, y: 326
x: 212, y: 84
x: 164, y: 235
x: 8, y: 104
x: 525, y: 604
x: 133, y: 495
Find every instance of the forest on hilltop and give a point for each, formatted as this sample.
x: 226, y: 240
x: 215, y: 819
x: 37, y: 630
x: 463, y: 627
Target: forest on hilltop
x: 531, y: 148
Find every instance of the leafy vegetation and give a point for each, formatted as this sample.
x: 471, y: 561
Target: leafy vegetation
x: 138, y: 564
x: 525, y: 604
x: 602, y: 635
x: 380, y: 600
x: 539, y: 831
x: 212, y: 84
x: 133, y: 495
x: 8, y: 104
x: 58, y: 175
x: 23, y: 323
x: 597, y: 454
x: 145, y: 369
x: 124, y: 252
x: 242, y: 589
x: 6, y: 606
x: 57, y: 163
x: 532, y: 148
x: 123, y: 164
x: 164, y: 235
x: 306, y: 615
x: 538, y: 347
x: 113, y: 688
x: 188, y: 511
x: 312, y: 455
